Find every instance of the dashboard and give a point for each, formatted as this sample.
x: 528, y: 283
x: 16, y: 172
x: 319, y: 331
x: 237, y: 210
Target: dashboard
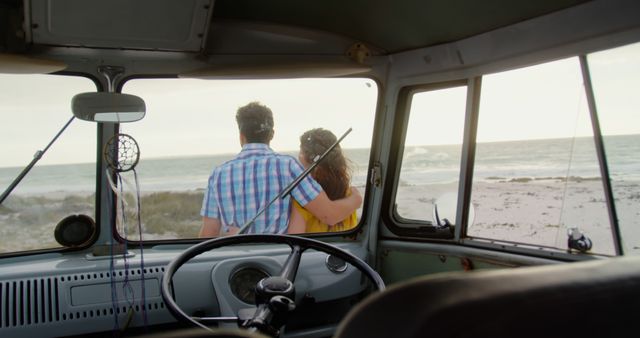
x: 78, y: 292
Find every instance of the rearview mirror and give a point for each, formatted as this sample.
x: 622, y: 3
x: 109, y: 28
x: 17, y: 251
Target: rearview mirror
x: 108, y: 107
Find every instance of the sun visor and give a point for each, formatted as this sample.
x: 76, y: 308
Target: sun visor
x: 140, y: 24
x: 19, y: 64
x: 275, y: 70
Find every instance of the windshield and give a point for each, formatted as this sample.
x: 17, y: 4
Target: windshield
x: 34, y: 108
x: 190, y: 129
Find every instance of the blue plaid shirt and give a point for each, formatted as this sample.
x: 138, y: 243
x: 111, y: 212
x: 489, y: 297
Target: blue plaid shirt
x: 239, y: 188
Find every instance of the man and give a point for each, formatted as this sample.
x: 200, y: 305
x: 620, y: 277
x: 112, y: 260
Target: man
x: 239, y: 188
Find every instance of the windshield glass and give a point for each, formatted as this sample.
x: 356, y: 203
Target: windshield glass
x: 34, y: 108
x: 190, y: 129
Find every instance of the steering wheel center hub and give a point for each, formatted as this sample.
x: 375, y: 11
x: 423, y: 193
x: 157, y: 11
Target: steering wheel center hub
x: 273, y: 286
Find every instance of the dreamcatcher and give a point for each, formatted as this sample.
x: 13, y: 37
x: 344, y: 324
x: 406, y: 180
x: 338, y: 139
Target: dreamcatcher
x: 121, y: 154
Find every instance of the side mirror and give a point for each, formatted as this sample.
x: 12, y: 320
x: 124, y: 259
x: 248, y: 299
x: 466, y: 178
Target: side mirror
x: 445, y: 209
x: 108, y: 107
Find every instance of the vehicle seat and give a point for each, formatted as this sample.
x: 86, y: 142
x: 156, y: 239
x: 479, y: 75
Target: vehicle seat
x: 582, y: 299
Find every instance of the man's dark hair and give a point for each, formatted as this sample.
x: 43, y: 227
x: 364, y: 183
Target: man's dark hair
x: 255, y: 122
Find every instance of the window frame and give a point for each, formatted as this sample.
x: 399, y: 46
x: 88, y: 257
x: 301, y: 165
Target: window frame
x: 397, y: 224
x: 366, y: 193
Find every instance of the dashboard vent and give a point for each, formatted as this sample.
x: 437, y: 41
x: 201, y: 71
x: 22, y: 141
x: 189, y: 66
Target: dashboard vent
x: 28, y: 302
x: 56, y: 303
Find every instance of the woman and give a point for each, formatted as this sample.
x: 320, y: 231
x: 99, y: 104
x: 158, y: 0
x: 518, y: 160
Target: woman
x: 333, y: 174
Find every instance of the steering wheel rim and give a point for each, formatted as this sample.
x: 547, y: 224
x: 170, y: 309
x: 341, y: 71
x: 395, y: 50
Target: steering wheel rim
x: 292, y: 241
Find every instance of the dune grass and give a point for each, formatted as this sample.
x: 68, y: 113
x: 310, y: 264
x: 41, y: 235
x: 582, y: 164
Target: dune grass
x: 170, y: 213
x: 164, y: 214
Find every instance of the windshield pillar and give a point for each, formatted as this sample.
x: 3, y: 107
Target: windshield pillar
x: 104, y: 196
x: 602, y: 158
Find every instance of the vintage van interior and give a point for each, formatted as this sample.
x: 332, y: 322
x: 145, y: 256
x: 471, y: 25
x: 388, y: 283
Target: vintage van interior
x: 495, y: 144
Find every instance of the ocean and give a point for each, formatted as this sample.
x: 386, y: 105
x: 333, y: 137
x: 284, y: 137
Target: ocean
x: 421, y: 165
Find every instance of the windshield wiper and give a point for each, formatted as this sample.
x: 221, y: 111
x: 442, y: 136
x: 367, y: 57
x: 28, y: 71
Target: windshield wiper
x: 36, y: 158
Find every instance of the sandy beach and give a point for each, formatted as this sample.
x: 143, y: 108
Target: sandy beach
x: 538, y: 211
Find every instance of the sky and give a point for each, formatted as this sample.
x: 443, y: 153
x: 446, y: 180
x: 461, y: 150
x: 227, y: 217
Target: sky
x: 208, y: 121
x: 538, y: 102
x: 197, y: 117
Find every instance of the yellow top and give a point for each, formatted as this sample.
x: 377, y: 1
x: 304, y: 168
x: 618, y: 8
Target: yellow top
x: 313, y: 224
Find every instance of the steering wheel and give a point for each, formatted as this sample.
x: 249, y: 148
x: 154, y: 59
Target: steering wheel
x: 274, y: 295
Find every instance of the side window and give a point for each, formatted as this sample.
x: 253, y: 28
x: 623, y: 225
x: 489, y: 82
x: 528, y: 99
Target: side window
x: 614, y: 75
x: 430, y: 165
x: 190, y: 128
x: 34, y: 108
x: 536, y: 174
